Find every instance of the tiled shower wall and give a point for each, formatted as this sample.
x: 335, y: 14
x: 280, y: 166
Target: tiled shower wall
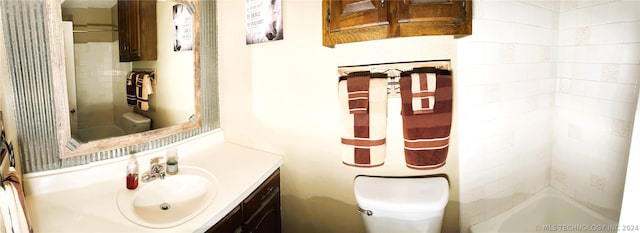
x: 597, y: 90
x: 97, y: 67
x: 506, y: 75
x: 547, y: 92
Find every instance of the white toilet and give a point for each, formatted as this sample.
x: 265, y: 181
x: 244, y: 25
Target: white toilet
x: 402, y: 205
x: 135, y: 123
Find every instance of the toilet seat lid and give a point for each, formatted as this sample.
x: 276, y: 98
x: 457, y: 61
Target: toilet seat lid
x: 425, y: 194
x: 135, y: 118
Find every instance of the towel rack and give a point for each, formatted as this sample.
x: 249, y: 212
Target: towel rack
x: 392, y: 71
x: 150, y: 72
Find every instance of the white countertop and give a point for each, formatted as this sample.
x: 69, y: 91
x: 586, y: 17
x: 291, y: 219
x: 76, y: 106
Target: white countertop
x: 83, y: 199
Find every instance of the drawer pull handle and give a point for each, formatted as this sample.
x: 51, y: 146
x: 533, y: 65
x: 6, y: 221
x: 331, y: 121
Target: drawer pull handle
x: 268, y: 193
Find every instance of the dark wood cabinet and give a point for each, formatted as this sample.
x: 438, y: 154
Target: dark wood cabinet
x: 261, y: 210
x: 232, y: 223
x: 258, y: 213
x: 137, y: 30
x: 347, y: 21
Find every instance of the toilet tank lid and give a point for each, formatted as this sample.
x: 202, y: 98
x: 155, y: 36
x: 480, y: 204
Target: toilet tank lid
x: 137, y: 118
x: 424, y: 194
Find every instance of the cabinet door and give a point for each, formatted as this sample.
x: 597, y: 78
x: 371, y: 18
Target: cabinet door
x: 347, y: 21
x: 434, y: 17
x: 232, y: 223
x: 128, y: 27
x: 354, y: 20
x: 261, y: 210
x: 137, y: 30
x: 352, y: 14
x: 147, y: 48
x: 123, y: 30
x: 267, y: 218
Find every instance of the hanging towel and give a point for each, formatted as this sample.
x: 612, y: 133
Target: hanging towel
x: 426, y: 124
x: 423, y: 86
x: 138, y: 89
x: 131, y: 89
x: 4, y: 212
x: 14, y: 196
x: 143, y: 90
x: 363, y: 101
x: 358, y: 94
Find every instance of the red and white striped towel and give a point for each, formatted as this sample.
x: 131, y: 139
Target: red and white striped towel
x: 363, y: 104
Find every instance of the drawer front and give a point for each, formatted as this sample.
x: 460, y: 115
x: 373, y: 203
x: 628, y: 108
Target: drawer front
x: 260, y: 197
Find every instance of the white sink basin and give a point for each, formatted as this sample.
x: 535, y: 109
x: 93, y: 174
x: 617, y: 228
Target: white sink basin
x: 171, y: 201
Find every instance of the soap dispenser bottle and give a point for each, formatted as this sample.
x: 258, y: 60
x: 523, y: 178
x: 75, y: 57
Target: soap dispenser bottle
x: 132, y: 173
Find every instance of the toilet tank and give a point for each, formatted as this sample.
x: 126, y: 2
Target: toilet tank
x: 135, y: 123
x: 393, y: 204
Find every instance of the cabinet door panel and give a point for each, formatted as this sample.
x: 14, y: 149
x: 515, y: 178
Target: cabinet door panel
x: 353, y: 20
x: 350, y: 14
x: 123, y: 29
x: 229, y: 224
x: 267, y: 218
x: 148, y: 31
x: 137, y: 30
x: 434, y: 17
x: 431, y: 10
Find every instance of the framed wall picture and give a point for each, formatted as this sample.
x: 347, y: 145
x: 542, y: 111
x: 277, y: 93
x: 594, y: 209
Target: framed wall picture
x: 183, y: 24
x: 263, y: 20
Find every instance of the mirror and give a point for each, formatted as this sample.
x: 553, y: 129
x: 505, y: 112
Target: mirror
x: 93, y: 111
x: 36, y: 68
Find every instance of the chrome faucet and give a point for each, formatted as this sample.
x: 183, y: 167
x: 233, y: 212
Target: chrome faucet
x: 156, y: 170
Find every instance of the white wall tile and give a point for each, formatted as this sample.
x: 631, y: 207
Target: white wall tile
x: 583, y: 17
x: 625, y: 10
x: 629, y: 73
x: 567, y: 20
x: 501, y: 31
x: 571, y: 68
x: 500, y: 10
x: 630, y: 53
x: 474, y: 53
x: 498, y: 53
x: 627, y: 93
x: 533, y: 15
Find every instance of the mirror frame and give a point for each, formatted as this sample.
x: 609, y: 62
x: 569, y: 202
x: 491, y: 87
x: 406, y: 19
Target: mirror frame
x: 70, y: 147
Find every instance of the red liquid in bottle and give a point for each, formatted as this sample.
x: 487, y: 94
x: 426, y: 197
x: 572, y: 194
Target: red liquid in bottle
x: 132, y: 181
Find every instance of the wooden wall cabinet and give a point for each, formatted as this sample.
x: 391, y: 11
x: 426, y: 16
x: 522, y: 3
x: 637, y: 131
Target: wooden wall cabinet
x: 346, y: 21
x: 258, y: 213
x: 137, y: 30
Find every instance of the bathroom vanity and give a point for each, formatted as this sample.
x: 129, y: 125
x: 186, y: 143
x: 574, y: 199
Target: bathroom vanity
x: 84, y: 199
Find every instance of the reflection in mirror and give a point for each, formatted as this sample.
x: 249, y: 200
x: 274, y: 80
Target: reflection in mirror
x: 105, y: 97
x: 41, y: 108
x: 126, y: 83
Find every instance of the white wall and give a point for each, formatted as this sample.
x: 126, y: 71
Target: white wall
x: 282, y: 97
x: 173, y: 99
x: 597, y: 90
